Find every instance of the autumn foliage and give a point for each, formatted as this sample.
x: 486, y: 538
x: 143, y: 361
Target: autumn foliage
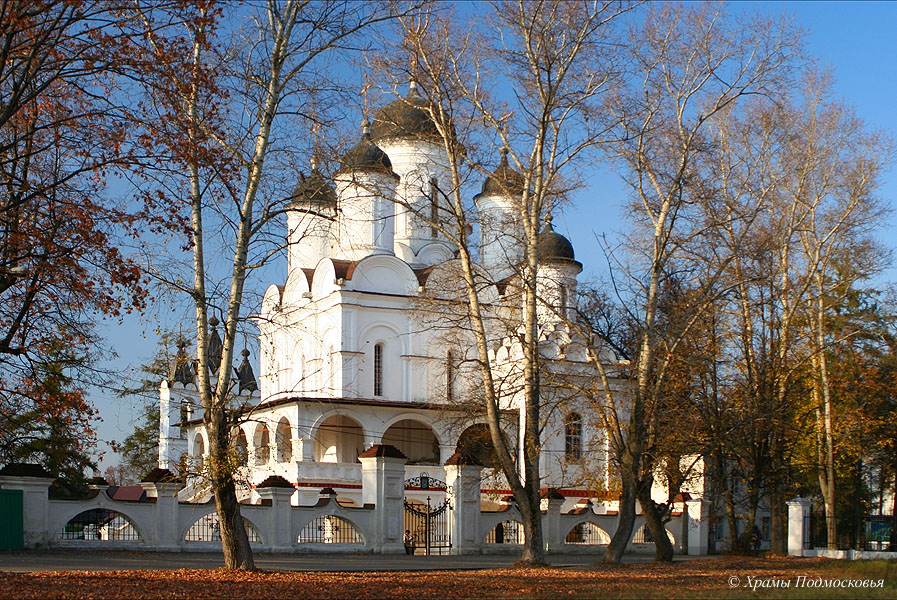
x: 60, y: 262
x: 712, y: 578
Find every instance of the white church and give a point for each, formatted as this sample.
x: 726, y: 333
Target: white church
x: 364, y: 342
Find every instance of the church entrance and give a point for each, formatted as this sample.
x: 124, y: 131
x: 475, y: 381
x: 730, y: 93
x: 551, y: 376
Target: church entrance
x: 427, y: 509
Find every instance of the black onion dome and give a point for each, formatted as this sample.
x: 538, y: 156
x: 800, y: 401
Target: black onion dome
x: 366, y: 155
x: 554, y: 246
x: 504, y: 180
x: 405, y: 119
x: 313, y: 191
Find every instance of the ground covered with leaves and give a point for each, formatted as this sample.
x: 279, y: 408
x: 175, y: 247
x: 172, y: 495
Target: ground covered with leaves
x: 730, y: 577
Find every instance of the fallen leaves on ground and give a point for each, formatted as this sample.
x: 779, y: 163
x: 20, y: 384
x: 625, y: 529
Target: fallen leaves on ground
x: 708, y: 578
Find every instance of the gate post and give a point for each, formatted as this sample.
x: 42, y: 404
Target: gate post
x: 33, y: 481
x: 697, y: 526
x: 464, y: 481
x: 382, y: 477
x: 162, y: 485
x: 278, y: 491
x: 798, y: 526
x: 552, y: 535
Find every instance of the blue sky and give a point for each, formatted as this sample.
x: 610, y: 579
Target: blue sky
x: 857, y: 39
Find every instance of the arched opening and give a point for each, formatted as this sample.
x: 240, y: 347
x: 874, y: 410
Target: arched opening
x: 587, y: 534
x: 284, y: 441
x: 339, y: 439
x: 573, y: 437
x: 643, y: 536
x: 262, y: 444
x: 506, y: 532
x: 199, y: 450
x: 100, y: 524
x: 208, y: 529
x: 241, y: 448
x: 475, y: 445
x: 415, y: 440
x: 330, y: 529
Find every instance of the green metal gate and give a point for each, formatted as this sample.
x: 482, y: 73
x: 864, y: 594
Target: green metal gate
x: 12, y: 532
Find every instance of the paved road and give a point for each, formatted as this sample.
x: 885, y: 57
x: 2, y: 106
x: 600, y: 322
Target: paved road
x: 91, y: 560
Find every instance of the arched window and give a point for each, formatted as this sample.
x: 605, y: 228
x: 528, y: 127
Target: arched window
x: 434, y: 207
x: 284, y: 441
x: 199, y: 449
x: 262, y: 443
x: 573, y: 436
x: 242, y: 449
x: 450, y: 376
x: 378, y: 369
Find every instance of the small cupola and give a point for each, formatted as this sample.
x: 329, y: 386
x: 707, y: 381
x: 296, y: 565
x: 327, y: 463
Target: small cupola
x: 214, y: 347
x: 366, y: 155
x: 553, y: 246
x: 245, y: 376
x: 313, y: 193
x: 504, y: 181
x: 183, y: 370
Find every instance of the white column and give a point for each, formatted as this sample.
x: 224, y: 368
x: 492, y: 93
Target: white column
x: 798, y: 532
x: 165, y: 537
x: 279, y: 515
x: 552, y: 534
x: 464, y: 482
x: 698, y: 513
x: 382, y: 480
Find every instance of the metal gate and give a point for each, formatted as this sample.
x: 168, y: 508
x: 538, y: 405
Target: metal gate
x: 428, y: 518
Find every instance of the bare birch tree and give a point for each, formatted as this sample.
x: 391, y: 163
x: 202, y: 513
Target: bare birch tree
x: 688, y: 64
x: 221, y: 94
x: 529, y: 81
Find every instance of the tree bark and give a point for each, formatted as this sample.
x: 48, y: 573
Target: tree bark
x: 663, y: 548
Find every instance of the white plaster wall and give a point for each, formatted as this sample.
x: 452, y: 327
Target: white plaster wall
x: 416, y: 163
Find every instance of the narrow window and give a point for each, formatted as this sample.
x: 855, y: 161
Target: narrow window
x: 563, y: 300
x: 378, y: 370
x: 573, y: 436
x: 449, y: 376
x: 434, y: 207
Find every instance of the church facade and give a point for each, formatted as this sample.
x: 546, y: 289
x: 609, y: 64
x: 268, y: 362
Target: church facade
x: 366, y: 343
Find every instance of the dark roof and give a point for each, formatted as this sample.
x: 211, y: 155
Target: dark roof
x: 461, y: 460
x: 98, y: 481
x: 275, y: 481
x: 245, y: 375
x: 382, y: 450
x: 552, y: 245
x: 504, y: 181
x: 313, y: 192
x: 158, y: 475
x: 551, y: 494
x: 127, y: 493
x: 366, y: 155
x: 214, y: 347
x: 406, y: 119
x: 25, y: 470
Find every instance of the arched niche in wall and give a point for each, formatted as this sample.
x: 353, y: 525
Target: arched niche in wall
x: 414, y: 439
x: 338, y: 439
